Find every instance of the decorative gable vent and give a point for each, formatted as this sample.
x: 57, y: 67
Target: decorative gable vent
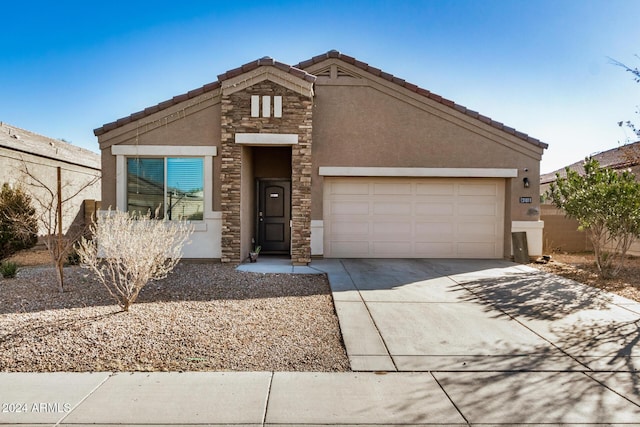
x: 334, y: 71
x: 341, y: 72
x: 266, y: 110
x: 325, y: 72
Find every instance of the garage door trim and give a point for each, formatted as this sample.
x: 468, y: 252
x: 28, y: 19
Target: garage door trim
x: 417, y: 172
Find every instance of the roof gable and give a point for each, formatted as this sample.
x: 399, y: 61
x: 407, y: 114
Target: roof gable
x: 299, y: 72
x: 268, y: 69
x: 334, y: 54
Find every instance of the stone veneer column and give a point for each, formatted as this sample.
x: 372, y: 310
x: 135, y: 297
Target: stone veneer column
x: 301, y: 189
x: 296, y: 119
x: 230, y: 156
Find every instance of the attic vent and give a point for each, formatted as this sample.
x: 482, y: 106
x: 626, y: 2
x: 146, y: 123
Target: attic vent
x: 325, y: 72
x: 14, y: 136
x: 344, y: 73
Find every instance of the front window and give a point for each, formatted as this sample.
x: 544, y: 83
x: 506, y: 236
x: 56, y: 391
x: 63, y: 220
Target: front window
x: 169, y: 187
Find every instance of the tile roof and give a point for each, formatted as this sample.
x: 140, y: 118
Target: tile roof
x: 24, y: 141
x: 204, y: 89
x: 622, y: 157
x: 298, y: 70
x: 424, y: 92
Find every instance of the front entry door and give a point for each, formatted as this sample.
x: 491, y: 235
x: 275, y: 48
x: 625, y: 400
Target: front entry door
x: 274, y: 215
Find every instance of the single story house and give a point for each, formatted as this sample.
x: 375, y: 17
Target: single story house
x: 561, y: 234
x: 42, y: 156
x: 330, y: 157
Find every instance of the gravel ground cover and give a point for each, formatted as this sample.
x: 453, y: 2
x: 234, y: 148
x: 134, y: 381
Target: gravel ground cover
x: 203, y: 317
x: 582, y: 268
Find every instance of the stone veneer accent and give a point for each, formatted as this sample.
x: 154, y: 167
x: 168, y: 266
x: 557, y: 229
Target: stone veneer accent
x: 296, y: 119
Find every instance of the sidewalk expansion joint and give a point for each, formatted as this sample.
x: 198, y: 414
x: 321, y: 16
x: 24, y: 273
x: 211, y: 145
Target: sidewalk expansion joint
x: 450, y: 399
x: 85, y: 398
x: 366, y: 306
x: 266, y: 401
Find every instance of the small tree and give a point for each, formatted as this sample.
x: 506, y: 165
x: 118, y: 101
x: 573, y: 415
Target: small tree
x: 127, y: 251
x: 606, y: 204
x: 53, y: 200
x: 18, y: 223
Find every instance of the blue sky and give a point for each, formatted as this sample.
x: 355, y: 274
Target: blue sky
x: 540, y: 66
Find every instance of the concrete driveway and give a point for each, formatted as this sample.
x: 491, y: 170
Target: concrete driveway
x: 503, y: 340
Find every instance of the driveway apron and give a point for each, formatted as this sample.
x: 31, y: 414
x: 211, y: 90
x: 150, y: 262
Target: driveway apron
x: 498, y: 337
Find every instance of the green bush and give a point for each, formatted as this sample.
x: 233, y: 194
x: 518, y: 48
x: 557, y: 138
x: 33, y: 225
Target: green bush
x: 8, y: 269
x: 18, y: 223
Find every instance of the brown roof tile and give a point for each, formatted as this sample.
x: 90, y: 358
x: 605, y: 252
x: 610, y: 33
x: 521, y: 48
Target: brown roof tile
x: 377, y: 72
x: 299, y: 71
x: 622, y: 157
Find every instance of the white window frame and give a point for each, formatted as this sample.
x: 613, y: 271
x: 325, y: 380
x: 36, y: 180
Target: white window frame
x: 122, y: 152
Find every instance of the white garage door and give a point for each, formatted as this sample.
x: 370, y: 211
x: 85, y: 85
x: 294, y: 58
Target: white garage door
x: 413, y: 217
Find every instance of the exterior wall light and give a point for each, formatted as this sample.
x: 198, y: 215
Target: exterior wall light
x: 525, y: 181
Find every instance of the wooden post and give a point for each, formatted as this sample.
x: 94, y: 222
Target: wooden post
x: 59, y: 243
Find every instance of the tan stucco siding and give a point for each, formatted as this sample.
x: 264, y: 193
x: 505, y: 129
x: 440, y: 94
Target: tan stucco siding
x: 180, y: 125
x: 363, y: 125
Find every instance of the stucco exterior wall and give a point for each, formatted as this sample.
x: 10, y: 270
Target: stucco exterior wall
x: 358, y: 125
x: 74, y: 177
x: 561, y: 233
x: 192, y: 123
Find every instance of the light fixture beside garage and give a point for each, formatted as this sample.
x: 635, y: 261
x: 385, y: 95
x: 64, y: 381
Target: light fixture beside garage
x: 525, y: 182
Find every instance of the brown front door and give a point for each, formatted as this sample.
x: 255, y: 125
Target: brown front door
x: 274, y: 215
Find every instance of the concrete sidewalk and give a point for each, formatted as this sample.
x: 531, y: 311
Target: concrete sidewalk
x: 432, y: 342
x: 307, y: 398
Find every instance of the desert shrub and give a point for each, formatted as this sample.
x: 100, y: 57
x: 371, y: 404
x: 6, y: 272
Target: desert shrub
x: 606, y: 204
x: 8, y: 269
x: 73, y: 258
x: 127, y: 251
x: 18, y: 222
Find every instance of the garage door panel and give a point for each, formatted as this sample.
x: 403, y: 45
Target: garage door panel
x: 392, y: 189
x: 350, y: 208
x: 393, y: 228
x: 352, y: 249
x: 414, y: 217
x: 349, y: 227
x: 431, y: 209
x: 434, y: 188
x: 478, y: 189
x: 476, y: 209
x: 391, y: 208
x: 351, y: 188
x: 474, y: 229
x: 434, y: 227
x: 434, y: 249
x: 391, y: 249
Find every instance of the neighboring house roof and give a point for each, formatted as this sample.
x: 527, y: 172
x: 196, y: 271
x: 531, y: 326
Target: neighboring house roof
x: 24, y: 141
x: 298, y: 70
x: 622, y: 157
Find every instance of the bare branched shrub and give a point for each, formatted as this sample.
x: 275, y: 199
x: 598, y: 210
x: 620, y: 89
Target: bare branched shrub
x: 53, y: 200
x: 127, y: 251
